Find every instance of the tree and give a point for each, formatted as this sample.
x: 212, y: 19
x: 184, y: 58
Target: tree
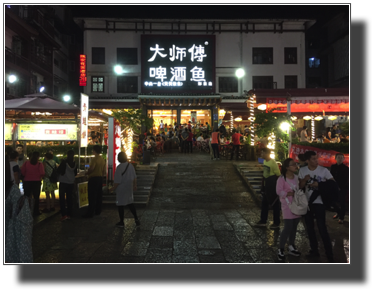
x: 133, y: 118
x: 269, y: 122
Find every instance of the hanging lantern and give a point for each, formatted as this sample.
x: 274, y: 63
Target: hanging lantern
x: 332, y: 117
x: 318, y: 118
x: 232, y: 121
x: 238, y: 119
x: 307, y: 118
x: 294, y: 118
x: 262, y: 107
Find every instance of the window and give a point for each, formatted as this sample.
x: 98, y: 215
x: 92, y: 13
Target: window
x: 314, y: 62
x: 98, y: 56
x: 127, y: 84
x: 56, y: 62
x: 97, y: 83
x: 228, y: 84
x: 127, y: 56
x: 290, y: 55
x: 72, y: 66
x: 64, y: 65
x: 264, y: 82
x: 291, y: 81
x: 262, y: 56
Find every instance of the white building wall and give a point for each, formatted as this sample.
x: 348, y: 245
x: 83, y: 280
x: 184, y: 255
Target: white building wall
x: 232, y: 50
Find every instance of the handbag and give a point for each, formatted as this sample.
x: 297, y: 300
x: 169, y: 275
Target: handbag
x: 54, y: 177
x: 299, y: 206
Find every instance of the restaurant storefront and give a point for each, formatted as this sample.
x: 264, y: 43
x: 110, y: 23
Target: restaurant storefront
x: 170, y: 110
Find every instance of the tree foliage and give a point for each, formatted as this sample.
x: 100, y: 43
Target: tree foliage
x: 269, y: 122
x: 133, y: 118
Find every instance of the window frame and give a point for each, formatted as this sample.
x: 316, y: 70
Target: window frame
x: 97, y: 82
x: 266, y: 49
x: 289, y: 81
x: 234, y: 78
x: 273, y: 84
x: 287, y: 52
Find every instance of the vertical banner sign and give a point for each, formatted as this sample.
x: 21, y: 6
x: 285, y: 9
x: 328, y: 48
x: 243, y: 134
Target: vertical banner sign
x: 83, y: 120
x: 117, y: 145
x: 83, y: 73
x: 193, y: 117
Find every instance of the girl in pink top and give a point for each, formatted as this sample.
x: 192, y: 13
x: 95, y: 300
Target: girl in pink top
x: 285, y: 185
x: 32, y: 172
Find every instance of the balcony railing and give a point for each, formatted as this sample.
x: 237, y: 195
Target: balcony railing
x: 42, y: 61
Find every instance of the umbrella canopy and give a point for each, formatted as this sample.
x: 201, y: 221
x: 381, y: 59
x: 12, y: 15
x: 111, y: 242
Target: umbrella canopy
x: 39, y: 102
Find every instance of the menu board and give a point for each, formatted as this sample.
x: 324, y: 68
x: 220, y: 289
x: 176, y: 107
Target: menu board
x: 47, y: 132
x: 8, y: 132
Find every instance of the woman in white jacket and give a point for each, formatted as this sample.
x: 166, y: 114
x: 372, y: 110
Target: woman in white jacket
x: 125, y: 185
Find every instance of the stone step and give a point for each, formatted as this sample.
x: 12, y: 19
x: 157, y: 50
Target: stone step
x: 254, y: 178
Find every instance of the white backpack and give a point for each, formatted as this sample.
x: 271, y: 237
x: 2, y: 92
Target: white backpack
x: 299, y: 206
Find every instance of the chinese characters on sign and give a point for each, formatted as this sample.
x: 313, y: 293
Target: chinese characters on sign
x: 83, y: 120
x: 47, y: 132
x: 178, y: 63
x: 83, y: 73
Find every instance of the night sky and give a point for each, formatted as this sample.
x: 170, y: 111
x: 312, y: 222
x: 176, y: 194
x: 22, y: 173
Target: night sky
x: 320, y: 12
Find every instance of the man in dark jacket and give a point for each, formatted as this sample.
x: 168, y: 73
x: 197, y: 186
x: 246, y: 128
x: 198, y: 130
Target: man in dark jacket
x: 340, y: 172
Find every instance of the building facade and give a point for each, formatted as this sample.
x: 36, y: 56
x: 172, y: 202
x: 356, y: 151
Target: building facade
x: 181, y: 70
x: 41, y: 51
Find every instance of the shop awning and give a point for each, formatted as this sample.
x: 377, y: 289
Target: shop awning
x: 41, y: 103
x: 310, y: 100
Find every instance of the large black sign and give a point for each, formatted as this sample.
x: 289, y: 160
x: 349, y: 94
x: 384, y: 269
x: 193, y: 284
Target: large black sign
x: 178, y: 64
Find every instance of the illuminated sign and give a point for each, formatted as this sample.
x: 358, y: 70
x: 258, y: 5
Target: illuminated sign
x: 8, y: 132
x: 47, y: 132
x: 83, y: 120
x: 172, y: 64
x: 83, y: 73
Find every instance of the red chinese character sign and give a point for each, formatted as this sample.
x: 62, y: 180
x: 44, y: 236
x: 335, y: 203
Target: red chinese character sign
x: 83, y: 71
x: 83, y: 120
x: 326, y: 158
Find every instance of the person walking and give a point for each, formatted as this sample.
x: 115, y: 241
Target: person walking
x: 215, y: 143
x: 33, y: 171
x: 22, y: 158
x: 304, y: 137
x: 286, y: 184
x: 95, y: 183
x: 235, y: 138
x: 67, y: 170
x: 190, y: 141
x: 185, y: 135
x: 16, y: 173
x: 340, y: 172
x: 270, y: 176
x: 48, y: 186
x: 125, y: 183
x: 311, y: 177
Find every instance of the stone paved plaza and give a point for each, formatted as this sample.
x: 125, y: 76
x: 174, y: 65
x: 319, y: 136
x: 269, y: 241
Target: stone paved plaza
x: 200, y: 211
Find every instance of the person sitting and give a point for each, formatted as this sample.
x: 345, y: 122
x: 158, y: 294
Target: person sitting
x: 325, y: 139
x: 304, y: 137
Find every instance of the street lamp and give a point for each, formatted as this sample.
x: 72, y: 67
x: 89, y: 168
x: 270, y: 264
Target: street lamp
x: 240, y: 73
x: 12, y: 78
x: 118, y: 69
x: 66, y: 98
